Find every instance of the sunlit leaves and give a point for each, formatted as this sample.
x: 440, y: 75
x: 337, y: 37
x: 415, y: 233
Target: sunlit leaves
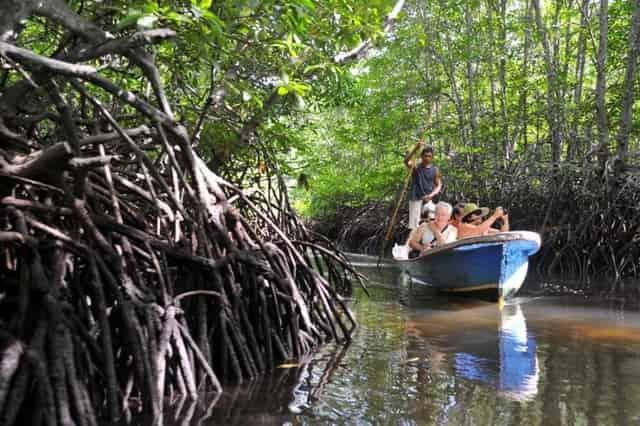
x: 383, y: 105
x: 130, y: 19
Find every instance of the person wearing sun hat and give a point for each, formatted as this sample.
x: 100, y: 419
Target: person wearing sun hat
x: 470, y: 209
x: 472, y: 225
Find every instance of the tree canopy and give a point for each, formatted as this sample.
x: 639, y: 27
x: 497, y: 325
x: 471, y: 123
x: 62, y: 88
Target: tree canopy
x: 151, y: 153
x: 495, y: 86
x: 147, y: 244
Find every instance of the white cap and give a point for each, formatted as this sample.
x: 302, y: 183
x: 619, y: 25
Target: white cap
x: 429, y: 207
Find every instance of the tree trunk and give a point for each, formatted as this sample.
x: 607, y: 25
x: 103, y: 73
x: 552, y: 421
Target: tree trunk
x: 499, y: 161
x: 627, y: 88
x: 601, y: 83
x: 552, y: 110
x: 564, y: 103
x: 502, y: 75
x: 473, y: 110
x: 524, y: 108
x: 574, y: 140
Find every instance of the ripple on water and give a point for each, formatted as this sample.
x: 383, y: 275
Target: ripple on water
x: 419, y: 360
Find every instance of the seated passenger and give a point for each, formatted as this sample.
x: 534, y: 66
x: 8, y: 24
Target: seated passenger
x: 457, y: 214
x: 472, y: 224
x: 434, y: 232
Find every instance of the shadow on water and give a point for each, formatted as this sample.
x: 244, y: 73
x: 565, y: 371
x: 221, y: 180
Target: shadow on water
x: 278, y: 397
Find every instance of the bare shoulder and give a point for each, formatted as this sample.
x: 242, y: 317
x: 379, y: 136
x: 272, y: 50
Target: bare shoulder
x: 420, y: 229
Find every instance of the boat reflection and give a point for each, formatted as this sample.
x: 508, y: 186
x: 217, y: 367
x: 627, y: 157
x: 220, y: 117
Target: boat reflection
x: 508, y: 363
x: 479, y: 342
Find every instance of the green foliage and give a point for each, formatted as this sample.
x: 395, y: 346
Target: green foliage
x: 272, y: 61
x: 472, y: 76
x: 255, y: 50
x: 469, y: 76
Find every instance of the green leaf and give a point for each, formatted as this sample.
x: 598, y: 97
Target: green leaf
x: 299, y: 88
x: 315, y: 67
x: 130, y: 19
x: 282, y: 90
x: 147, y: 21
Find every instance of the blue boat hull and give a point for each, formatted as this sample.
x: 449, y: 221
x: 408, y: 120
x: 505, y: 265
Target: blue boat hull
x: 494, y: 266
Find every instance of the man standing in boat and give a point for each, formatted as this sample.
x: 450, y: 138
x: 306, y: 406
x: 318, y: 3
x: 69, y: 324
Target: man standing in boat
x: 426, y: 181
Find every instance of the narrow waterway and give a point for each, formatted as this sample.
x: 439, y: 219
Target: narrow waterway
x: 421, y: 359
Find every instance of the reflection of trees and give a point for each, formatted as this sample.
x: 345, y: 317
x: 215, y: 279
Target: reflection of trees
x: 274, y: 398
x: 586, y: 381
x: 399, y: 369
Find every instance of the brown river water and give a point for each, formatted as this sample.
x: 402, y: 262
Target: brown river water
x: 420, y: 359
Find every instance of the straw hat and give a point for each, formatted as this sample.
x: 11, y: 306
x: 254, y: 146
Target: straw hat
x: 472, y: 208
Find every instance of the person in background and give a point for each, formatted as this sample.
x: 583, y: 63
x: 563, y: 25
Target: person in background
x: 434, y: 232
x: 457, y: 215
x: 426, y: 181
x: 473, y: 225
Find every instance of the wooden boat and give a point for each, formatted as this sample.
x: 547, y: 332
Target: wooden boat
x: 492, y: 266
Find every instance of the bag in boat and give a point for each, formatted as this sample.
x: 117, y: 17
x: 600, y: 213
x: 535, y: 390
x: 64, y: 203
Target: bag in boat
x: 400, y: 252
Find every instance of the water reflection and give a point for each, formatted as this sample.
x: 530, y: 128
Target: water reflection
x: 476, y: 341
x: 508, y: 362
x: 431, y: 360
x: 279, y: 397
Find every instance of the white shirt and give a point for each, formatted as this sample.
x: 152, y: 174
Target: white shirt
x: 450, y: 234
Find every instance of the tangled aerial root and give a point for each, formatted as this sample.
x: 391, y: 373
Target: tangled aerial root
x: 128, y: 270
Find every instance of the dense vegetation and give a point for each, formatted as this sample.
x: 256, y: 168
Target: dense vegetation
x: 530, y: 105
x: 148, y: 249
x: 148, y: 148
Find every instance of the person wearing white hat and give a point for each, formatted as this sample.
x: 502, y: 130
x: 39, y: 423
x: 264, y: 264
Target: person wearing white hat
x: 436, y: 231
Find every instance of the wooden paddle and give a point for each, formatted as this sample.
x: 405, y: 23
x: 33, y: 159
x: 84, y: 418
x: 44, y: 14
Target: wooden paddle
x: 392, y: 223
x: 407, y: 179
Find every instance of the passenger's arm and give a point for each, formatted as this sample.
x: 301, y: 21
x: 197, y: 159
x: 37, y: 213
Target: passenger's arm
x: 504, y: 226
x: 484, y: 226
x: 410, y: 237
x: 467, y: 228
x: 414, y: 241
x: 437, y: 234
x: 505, y: 223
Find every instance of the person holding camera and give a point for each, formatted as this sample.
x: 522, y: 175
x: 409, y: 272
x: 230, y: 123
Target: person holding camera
x: 435, y: 231
x: 473, y: 225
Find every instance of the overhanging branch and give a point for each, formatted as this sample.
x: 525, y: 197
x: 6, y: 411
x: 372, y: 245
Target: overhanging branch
x: 360, y: 50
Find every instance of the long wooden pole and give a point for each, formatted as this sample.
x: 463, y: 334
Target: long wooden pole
x: 387, y: 237
x: 392, y: 223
